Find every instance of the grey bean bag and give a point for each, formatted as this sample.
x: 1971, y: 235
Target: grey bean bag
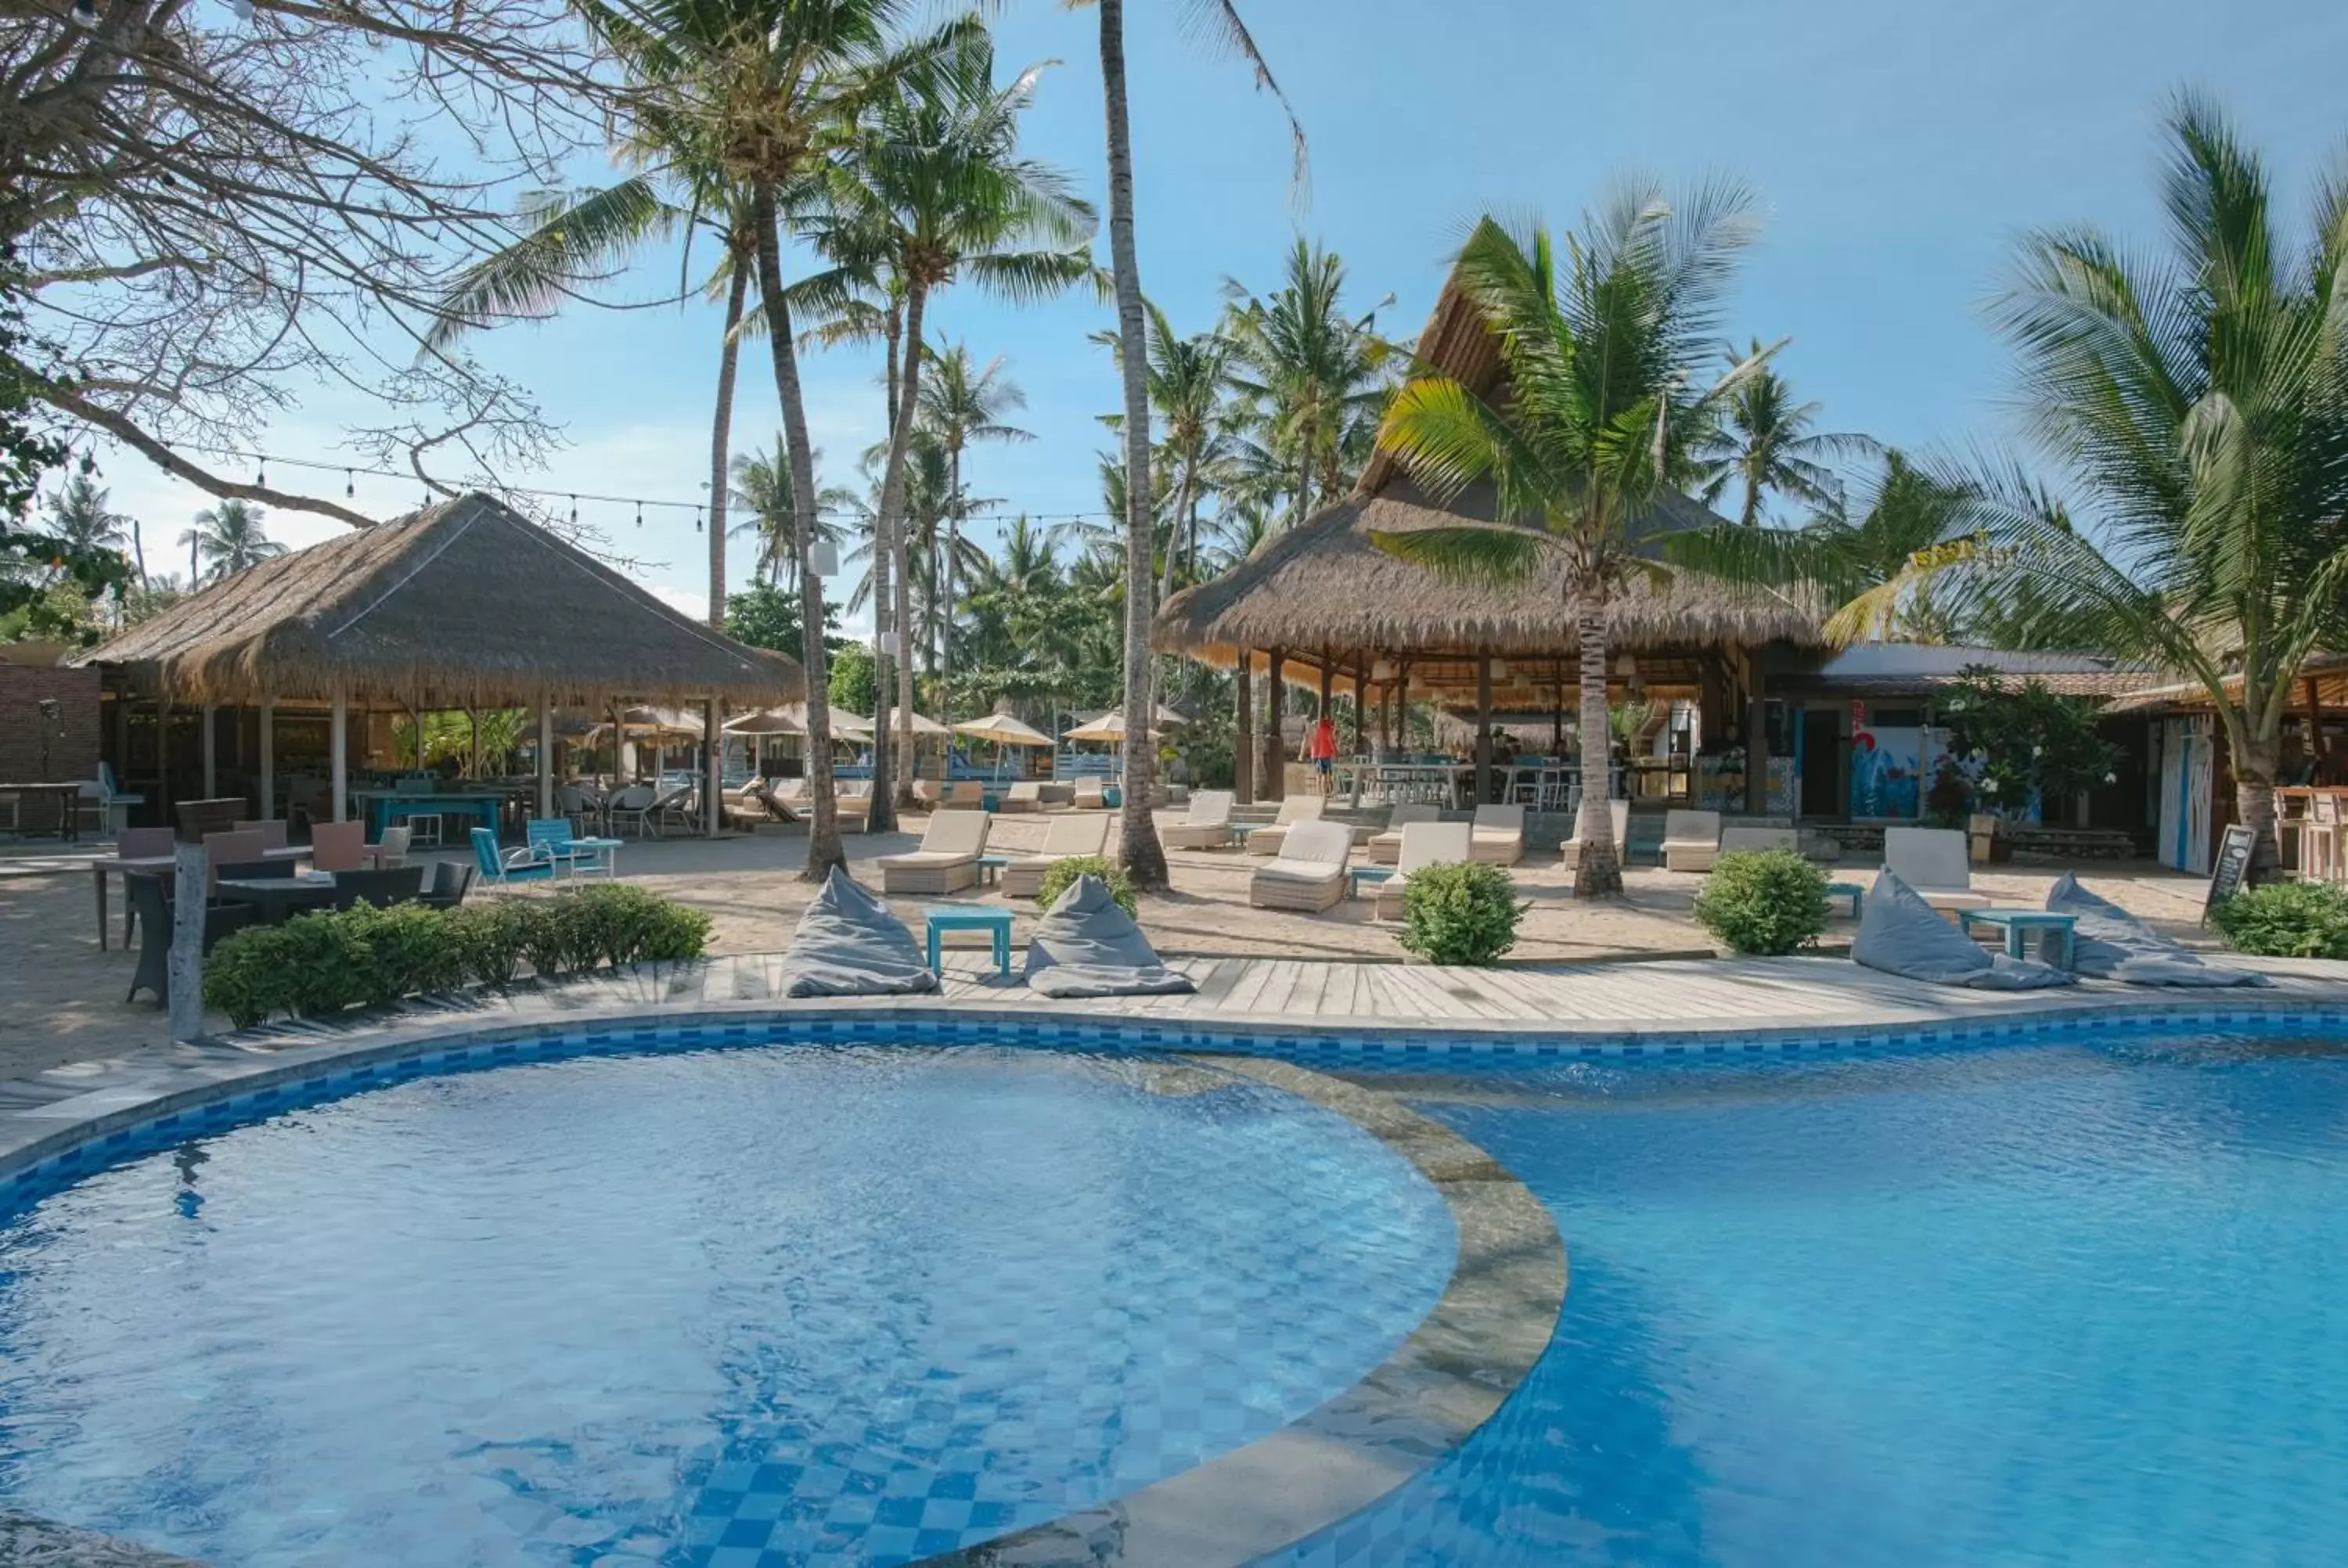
x: 1900, y: 934
x: 2111, y: 944
x: 849, y: 945
x: 1084, y: 946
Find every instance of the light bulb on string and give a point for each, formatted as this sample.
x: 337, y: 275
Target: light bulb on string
x: 574, y: 511
x: 696, y: 519
x: 640, y: 514
x: 350, y: 485
x: 260, y: 474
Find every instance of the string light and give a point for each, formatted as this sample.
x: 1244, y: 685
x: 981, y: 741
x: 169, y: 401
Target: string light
x: 640, y: 514
x: 260, y: 475
x: 573, y: 497
x: 696, y: 519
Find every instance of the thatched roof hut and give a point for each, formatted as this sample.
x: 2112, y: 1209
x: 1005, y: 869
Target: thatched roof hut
x: 1329, y: 596
x: 462, y: 604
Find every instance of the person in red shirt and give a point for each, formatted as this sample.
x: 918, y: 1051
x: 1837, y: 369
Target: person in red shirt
x: 1321, y: 747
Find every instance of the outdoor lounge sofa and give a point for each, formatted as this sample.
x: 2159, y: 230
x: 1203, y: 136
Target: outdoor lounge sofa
x: 1932, y: 861
x: 947, y: 860
x: 1295, y: 809
x: 1618, y: 812
x: 1691, y: 840
x: 1085, y: 946
x: 1498, y: 836
x: 1424, y: 844
x: 849, y: 945
x: 1207, y: 825
x: 1385, y: 849
x: 1309, y: 873
x: 1069, y: 834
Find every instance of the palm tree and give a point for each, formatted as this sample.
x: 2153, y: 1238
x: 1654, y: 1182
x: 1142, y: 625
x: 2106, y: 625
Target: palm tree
x: 930, y: 191
x: 959, y: 406
x: 2199, y: 402
x: 1905, y: 512
x: 1765, y: 442
x: 1144, y: 859
x: 226, y: 540
x: 1314, y: 370
x: 762, y: 487
x: 81, y: 516
x: 1603, y: 415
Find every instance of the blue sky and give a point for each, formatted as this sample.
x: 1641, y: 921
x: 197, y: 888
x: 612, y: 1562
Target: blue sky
x: 1898, y: 150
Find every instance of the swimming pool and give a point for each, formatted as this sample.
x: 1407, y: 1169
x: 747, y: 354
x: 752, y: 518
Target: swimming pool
x: 2078, y: 1300
x: 791, y: 1304
x: 2066, y: 1303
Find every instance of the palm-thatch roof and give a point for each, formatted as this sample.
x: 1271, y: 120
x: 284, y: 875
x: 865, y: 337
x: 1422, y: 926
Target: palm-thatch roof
x: 463, y: 604
x: 1326, y: 586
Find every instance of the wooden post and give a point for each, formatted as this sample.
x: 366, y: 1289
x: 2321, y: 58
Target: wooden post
x: 268, y: 759
x: 1244, y: 740
x: 211, y: 751
x: 163, y: 801
x: 338, y: 754
x: 1274, y: 785
x: 546, y: 754
x: 1361, y: 701
x: 712, y: 769
x: 1483, y: 730
x: 2315, y: 747
x: 184, y: 970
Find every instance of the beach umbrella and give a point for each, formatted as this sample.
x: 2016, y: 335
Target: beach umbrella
x: 1108, y: 729
x: 1003, y: 731
x: 922, y: 725
x: 765, y: 722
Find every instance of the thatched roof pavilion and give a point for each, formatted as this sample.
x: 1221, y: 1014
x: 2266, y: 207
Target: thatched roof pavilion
x: 463, y: 604
x: 1324, y: 605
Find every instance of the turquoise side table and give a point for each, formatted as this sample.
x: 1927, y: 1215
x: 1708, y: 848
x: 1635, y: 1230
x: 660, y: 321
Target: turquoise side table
x: 990, y: 919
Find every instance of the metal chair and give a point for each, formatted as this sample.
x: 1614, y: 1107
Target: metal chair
x: 527, y: 864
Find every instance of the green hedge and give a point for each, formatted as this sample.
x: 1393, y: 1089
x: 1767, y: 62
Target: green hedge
x: 2286, y: 920
x: 322, y: 963
x: 1766, y: 901
x: 1061, y: 876
x: 1462, y: 913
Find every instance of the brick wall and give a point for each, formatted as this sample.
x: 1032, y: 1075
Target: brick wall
x: 72, y: 735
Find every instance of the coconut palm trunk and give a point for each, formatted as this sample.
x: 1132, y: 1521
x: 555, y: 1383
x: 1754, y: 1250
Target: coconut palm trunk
x: 1143, y: 858
x: 892, y: 519
x: 1599, y: 869
x: 721, y: 431
x: 824, y: 850
x: 883, y: 809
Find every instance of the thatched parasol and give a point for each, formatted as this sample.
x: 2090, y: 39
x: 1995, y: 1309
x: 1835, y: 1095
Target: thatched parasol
x: 922, y: 725
x: 765, y: 722
x: 465, y: 604
x: 1110, y: 727
x: 1003, y: 731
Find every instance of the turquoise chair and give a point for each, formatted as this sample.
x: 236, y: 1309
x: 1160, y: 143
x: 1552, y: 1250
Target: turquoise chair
x: 528, y: 864
x: 549, y: 838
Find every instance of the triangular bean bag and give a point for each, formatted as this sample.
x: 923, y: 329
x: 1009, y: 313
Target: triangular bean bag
x: 2111, y: 944
x: 1085, y: 946
x: 849, y: 945
x: 1900, y: 934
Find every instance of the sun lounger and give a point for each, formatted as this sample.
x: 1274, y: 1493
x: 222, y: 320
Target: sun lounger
x: 968, y: 796
x: 756, y: 806
x: 849, y: 945
x: 1932, y: 862
x: 1296, y: 808
x: 1084, y: 946
x: 1022, y: 875
x: 1732, y: 839
x: 1618, y: 812
x: 948, y: 858
x: 1309, y: 874
x: 1691, y: 840
x: 1384, y: 849
x: 1208, y: 826
x: 925, y: 793
x: 853, y: 807
x: 1900, y: 934
x: 1499, y: 838
x: 1424, y: 844
x: 1027, y: 794
x: 1089, y: 796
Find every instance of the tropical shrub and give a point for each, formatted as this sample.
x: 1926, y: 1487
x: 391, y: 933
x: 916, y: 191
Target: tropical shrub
x: 1062, y: 876
x: 2286, y: 920
x: 1765, y: 901
x: 322, y: 963
x: 1464, y: 913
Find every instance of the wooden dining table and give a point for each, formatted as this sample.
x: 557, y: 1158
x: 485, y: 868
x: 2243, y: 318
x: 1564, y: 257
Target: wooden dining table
x: 67, y: 796
x: 151, y: 865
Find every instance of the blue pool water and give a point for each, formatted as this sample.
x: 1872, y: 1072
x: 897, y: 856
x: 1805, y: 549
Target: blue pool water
x: 741, y: 1309
x: 2059, y: 1305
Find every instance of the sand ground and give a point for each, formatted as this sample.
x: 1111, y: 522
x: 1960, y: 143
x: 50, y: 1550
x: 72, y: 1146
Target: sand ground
x: 61, y: 1000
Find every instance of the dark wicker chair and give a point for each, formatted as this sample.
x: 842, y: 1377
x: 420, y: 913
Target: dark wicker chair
x: 152, y: 898
x: 451, y: 880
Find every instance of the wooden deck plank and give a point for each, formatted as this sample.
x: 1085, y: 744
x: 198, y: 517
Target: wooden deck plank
x: 1254, y: 975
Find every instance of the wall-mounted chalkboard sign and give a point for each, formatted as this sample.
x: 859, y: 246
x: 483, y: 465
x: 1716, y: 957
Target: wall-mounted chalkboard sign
x: 2233, y: 868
